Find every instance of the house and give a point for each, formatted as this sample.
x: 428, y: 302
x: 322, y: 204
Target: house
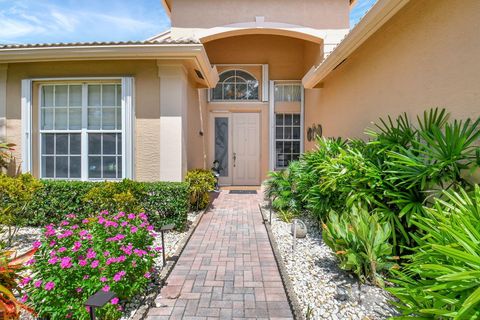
x: 248, y: 83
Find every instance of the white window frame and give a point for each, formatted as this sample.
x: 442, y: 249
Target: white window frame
x: 264, y: 81
x: 127, y: 118
x: 271, y: 116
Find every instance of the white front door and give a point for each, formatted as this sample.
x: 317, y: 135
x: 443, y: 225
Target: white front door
x: 246, y: 148
x: 236, y: 145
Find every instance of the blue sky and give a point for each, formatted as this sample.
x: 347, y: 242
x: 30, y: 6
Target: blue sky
x: 48, y: 21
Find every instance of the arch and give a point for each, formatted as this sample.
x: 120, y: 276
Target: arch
x: 272, y: 28
x: 235, y: 85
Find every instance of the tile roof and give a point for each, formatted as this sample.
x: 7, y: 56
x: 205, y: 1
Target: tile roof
x: 163, y: 38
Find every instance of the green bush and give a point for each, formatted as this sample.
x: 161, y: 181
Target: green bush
x: 164, y: 202
x: 200, y: 183
x: 360, y: 242
x: 442, y: 278
x: 15, y: 194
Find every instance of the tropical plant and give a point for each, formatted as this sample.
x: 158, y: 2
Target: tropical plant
x: 360, y: 242
x: 200, y: 182
x: 442, y: 279
x: 11, y: 282
x: 75, y: 259
x: 5, y: 155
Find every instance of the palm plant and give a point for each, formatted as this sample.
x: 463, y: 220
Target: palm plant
x: 442, y: 278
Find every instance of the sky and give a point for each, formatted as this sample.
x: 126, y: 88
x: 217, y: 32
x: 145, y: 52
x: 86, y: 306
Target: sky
x: 51, y: 21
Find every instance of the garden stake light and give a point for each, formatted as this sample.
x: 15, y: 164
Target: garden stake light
x: 98, y: 300
x: 164, y: 229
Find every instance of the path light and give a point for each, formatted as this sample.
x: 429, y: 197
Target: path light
x: 98, y: 300
x: 164, y: 229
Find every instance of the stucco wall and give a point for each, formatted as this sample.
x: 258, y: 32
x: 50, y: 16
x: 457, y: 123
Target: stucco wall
x: 195, y: 141
x: 147, y: 103
x: 320, y: 14
x: 288, y: 58
x: 426, y: 56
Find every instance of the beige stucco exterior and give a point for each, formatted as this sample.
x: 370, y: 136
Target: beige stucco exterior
x: 394, y: 61
x: 414, y: 62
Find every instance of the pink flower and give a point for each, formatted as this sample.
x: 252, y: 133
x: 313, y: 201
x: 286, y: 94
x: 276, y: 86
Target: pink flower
x: 134, y: 263
x: 106, y: 288
x: 25, y: 281
x: 91, y: 253
x: 66, y: 263
x: 75, y: 226
x: 66, y: 234
x: 95, y: 264
x: 37, y: 244
x: 85, y: 277
x: 147, y: 275
x: 103, y: 279
x: 85, y: 221
x: 77, y: 245
x: 118, y: 276
x: 62, y: 249
x: 53, y: 260
x: 64, y: 223
x: 49, y: 285
x: 24, y: 298
x: 71, y: 216
x: 131, y: 216
x: 114, y: 301
x: 82, y: 263
x: 38, y: 284
x: 106, y: 253
x: 121, y: 258
x: 124, y: 224
x: 83, y: 233
x: 142, y: 216
x: 52, y: 243
x: 158, y: 248
x: 79, y: 290
x: 150, y: 228
x: 133, y: 229
x: 101, y: 220
x: 111, y: 224
x: 30, y: 262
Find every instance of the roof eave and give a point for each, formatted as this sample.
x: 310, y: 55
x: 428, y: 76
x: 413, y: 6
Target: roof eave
x: 378, y: 15
x: 194, y: 52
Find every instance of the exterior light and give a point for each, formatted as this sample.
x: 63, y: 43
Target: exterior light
x: 216, y: 172
x: 164, y: 229
x: 98, y: 300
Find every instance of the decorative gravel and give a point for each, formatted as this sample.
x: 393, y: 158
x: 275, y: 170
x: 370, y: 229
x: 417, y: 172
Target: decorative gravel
x: 324, y: 290
x: 26, y: 236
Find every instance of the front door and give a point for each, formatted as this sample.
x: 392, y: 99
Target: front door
x: 246, y: 148
x: 236, y: 146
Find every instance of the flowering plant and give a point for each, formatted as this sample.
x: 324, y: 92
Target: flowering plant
x: 111, y: 252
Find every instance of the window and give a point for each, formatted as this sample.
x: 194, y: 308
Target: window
x: 235, y: 85
x: 287, y: 138
x: 81, y: 131
x: 288, y: 92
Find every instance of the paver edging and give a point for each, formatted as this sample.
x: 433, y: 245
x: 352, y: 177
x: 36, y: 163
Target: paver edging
x: 142, y: 311
x: 287, y: 283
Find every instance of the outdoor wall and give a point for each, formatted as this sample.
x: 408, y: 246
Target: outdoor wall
x: 288, y: 58
x: 319, y: 14
x: 147, y: 104
x: 196, y: 143
x: 415, y: 62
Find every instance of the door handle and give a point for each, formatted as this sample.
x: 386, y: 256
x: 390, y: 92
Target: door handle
x: 234, y: 158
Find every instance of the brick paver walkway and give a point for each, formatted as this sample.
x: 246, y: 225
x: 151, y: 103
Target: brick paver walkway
x: 227, y: 270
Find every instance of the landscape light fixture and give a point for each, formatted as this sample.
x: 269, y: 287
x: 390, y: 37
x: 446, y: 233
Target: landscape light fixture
x: 164, y: 229
x: 98, y: 300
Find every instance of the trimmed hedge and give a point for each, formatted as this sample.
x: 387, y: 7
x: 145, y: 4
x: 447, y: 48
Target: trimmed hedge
x: 163, y: 202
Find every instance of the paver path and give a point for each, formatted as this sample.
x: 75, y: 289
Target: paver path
x: 227, y: 270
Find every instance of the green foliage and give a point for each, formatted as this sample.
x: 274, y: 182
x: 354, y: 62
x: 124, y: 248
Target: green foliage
x: 5, y: 155
x: 286, y: 216
x: 15, y: 195
x: 75, y: 259
x: 164, y: 202
x: 360, y: 241
x: 200, y: 183
x: 442, y: 278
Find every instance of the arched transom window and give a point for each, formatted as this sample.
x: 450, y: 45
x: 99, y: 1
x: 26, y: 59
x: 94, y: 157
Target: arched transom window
x: 235, y: 85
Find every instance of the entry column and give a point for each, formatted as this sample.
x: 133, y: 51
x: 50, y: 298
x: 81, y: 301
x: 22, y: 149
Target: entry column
x: 173, y: 120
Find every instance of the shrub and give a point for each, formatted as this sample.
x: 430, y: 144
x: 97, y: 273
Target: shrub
x: 111, y: 252
x: 441, y: 280
x: 164, y: 202
x: 14, y: 196
x: 5, y: 155
x: 200, y: 183
x: 360, y: 242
